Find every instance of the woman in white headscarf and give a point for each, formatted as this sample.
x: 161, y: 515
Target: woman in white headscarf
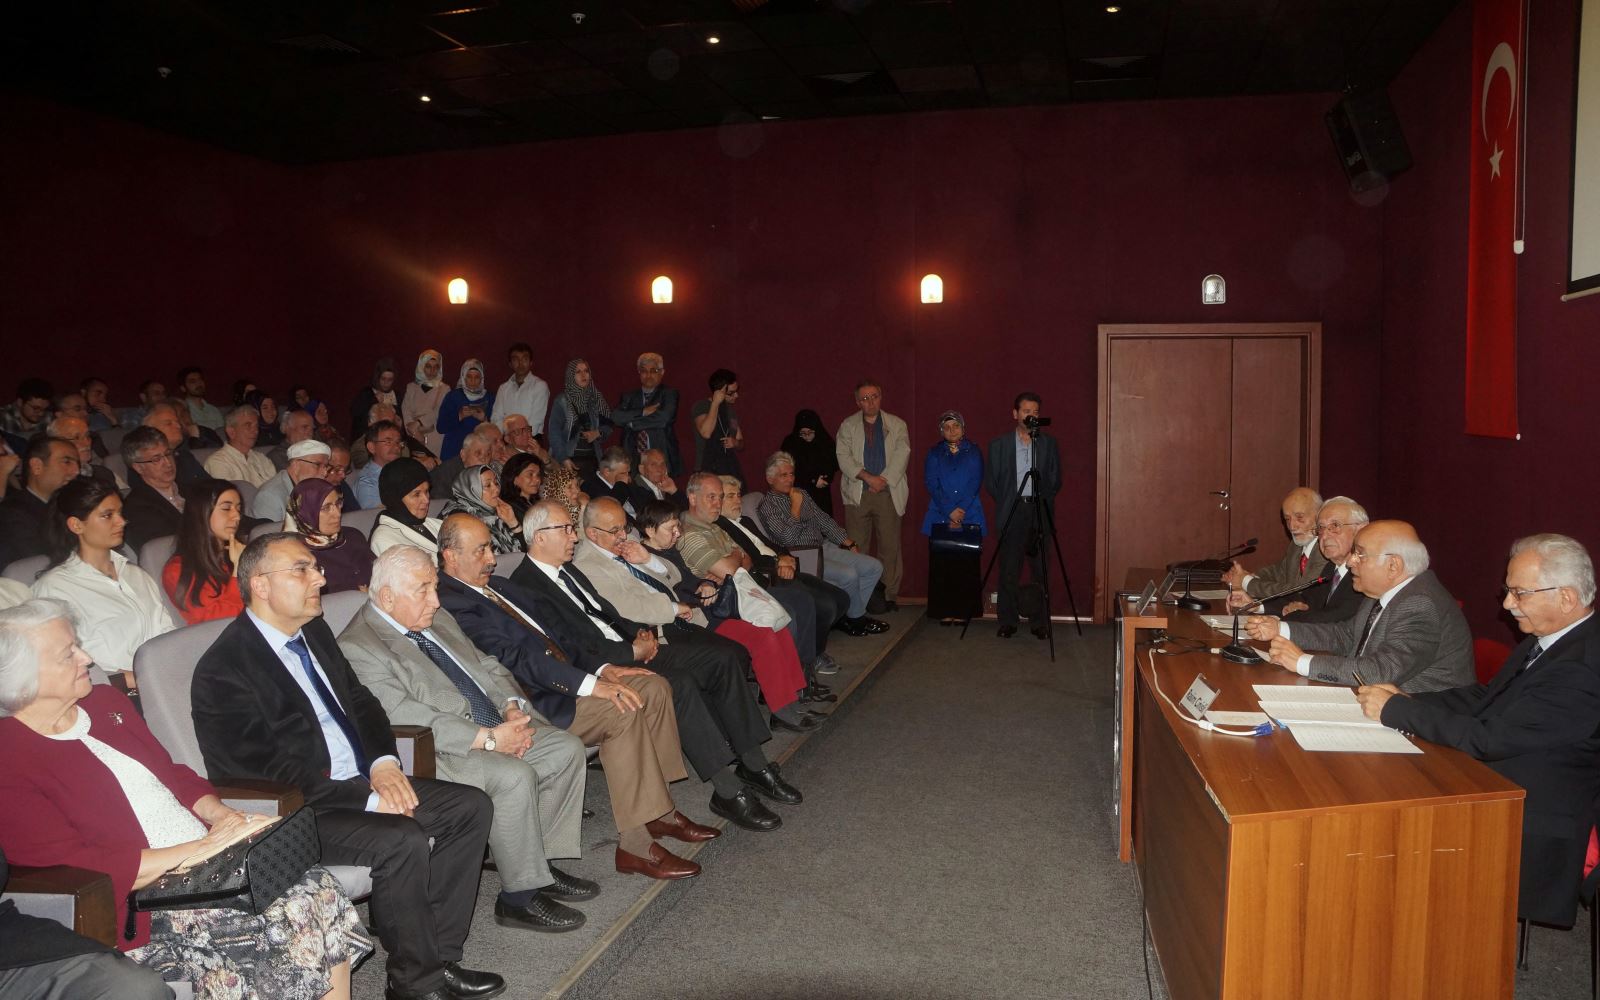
x: 463, y: 408
x: 420, y: 408
x: 580, y: 420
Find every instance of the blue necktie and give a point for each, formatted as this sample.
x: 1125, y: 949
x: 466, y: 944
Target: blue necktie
x: 644, y: 577
x: 483, y: 711
x: 297, y: 646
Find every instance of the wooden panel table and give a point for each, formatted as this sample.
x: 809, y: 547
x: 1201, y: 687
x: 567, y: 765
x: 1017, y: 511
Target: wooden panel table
x: 1271, y: 872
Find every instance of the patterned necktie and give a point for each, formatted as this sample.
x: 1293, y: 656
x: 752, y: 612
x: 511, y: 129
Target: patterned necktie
x: 297, y: 646
x: 550, y: 647
x: 1304, y: 559
x: 1533, y: 654
x: 1366, y: 632
x: 645, y: 578
x: 577, y: 591
x: 483, y: 711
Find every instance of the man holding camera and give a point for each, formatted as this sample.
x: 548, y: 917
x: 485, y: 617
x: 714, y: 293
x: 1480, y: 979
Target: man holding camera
x: 1011, y: 456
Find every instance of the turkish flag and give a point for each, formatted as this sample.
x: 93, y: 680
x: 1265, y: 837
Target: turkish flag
x: 1492, y: 214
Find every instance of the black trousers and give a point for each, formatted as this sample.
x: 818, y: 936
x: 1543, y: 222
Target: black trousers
x: 718, y: 717
x: 422, y: 900
x: 1021, y: 543
x: 802, y: 611
x: 832, y: 604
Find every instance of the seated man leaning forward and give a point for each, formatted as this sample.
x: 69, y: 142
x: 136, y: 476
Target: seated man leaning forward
x: 1537, y: 722
x: 1409, y: 632
x: 1300, y: 562
x: 425, y: 672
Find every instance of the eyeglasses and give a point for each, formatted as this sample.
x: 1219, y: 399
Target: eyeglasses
x: 157, y: 459
x: 1333, y: 526
x: 651, y: 371
x: 1521, y: 595
x: 299, y: 569
x: 1364, y: 556
x: 613, y: 532
x: 568, y: 528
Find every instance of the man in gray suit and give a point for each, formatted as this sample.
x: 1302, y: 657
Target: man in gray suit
x: 418, y: 663
x: 1409, y: 632
x: 1300, y: 563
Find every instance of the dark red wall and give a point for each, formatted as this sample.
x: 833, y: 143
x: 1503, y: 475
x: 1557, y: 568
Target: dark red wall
x: 796, y: 249
x: 1471, y: 496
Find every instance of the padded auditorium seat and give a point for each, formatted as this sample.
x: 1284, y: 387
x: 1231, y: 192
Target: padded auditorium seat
x: 807, y: 558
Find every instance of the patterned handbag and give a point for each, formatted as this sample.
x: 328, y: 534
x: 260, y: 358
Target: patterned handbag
x: 250, y: 875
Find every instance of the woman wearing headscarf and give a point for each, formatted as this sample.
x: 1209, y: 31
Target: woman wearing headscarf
x: 477, y: 492
x: 321, y: 422
x: 315, y: 511
x: 420, y: 408
x: 379, y: 390
x: 463, y: 408
x: 403, y: 488
x: 953, y: 473
x: 816, y: 463
x: 580, y: 421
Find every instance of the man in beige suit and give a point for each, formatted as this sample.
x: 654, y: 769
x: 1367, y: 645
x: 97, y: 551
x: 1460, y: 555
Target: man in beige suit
x: 604, y: 543
x: 419, y: 664
x: 873, y: 449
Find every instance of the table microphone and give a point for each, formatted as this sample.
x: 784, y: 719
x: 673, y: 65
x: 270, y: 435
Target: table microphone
x: 1240, y: 653
x: 1187, y: 599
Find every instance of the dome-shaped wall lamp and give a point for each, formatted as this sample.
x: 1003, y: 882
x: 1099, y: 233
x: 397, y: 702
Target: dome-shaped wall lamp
x: 661, y: 290
x: 932, y: 288
x: 457, y: 290
x: 1213, y: 290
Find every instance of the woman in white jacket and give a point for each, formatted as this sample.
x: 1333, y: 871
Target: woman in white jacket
x: 403, y: 488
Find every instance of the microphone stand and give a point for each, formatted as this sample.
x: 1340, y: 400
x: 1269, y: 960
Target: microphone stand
x: 1187, y: 599
x: 1237, y: 651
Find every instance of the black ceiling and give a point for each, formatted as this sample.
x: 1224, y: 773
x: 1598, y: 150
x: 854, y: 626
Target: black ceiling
x: 310, y: 80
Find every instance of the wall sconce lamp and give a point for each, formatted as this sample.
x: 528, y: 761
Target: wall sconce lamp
x: 1213, y: 290
x: 661, y: 290
x: 932, y: 288
x: 457, y: 290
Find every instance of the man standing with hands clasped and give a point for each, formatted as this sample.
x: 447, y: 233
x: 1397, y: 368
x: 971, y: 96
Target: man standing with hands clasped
x: 1537, y: 722
x: 873, y: 449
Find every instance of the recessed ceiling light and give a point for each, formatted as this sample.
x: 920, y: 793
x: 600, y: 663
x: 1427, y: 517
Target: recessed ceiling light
x: 424, y: 98
x: 1113, y: 9
x: 713, y: 40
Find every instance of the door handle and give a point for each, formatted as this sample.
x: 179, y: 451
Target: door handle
x: 1220, y: 493
x: 1224, y: 505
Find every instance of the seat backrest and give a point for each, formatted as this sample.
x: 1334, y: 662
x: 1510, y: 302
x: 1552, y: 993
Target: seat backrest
x: 1488, y: 656
x: 265, y: 528
x: 506, y: 563
x: 26, y: 571
x: 750, y: 504
x: 807, y: 559
x: 112, y: 437
x: 201, y: 454
x: 435, y: 506
x: 164, y: 667
x: 361, y: 520
x: 247, y: 492
x: 153, y: 559
x: 118, y: 467
x: 339, y: 609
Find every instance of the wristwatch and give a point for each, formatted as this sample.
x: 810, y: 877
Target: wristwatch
x: 488, y: 742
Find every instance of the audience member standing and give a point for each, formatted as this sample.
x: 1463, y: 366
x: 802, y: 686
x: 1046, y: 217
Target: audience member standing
x: 420, y: 408
x: 192, y: 384
x: 379, y: 390
x: 580, y: 421
x: 523, y: 393
x: 463, y: 408
x: 1011, y: 456
x: 717, y: 435
x: 816, y: 465
x: 646, y: 415
x: 953, y: 473
x: 873, y: 449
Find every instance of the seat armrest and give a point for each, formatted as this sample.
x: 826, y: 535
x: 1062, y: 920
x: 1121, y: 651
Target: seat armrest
x: 807, y: 558
x: 94, y: 910
x: 415, y: 744
x: 265, y: 798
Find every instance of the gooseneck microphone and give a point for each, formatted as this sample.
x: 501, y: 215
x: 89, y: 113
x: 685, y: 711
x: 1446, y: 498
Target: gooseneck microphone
x: 1187, y: 599
x: 1237, y: 651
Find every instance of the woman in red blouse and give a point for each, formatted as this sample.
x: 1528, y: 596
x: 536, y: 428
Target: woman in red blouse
x: 199, y: 576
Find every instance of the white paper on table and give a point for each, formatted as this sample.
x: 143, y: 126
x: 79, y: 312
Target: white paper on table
x: 1236, y: 718
x: 1292, y: 713
x: 1210, y: 595
x: 1224, y: 623
x: 1303, y: 695
x: 1351, y: 739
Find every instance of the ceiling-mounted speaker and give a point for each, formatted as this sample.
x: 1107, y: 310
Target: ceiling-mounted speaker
x: 1366, y: 133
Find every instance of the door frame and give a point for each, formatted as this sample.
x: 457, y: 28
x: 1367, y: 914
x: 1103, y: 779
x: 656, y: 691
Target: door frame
x: 1309, y: 333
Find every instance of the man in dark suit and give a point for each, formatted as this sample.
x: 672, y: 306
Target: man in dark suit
x: 1537, y: 722
x: 1409, y: 632
x: 613, y: 478
x: 153, y: 504
x: 646, y: 415
x: 651, y: 482
x: 275, y: 699
x: 1011, y: 456
x: 48, y: 464
x: 718, y: 719
x: 1333, y: 601
x: 626, y: 710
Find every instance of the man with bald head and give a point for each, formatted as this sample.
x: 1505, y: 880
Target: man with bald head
x: 296, y: 426
x: 1537, y: 722
x: 76, y: 430
x: 1409, y: 631
x: 1301, y: 562
x: 165, y: 416
x: 655, y: 483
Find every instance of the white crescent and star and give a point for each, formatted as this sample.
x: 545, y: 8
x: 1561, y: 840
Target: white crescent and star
x: 1502, y: 59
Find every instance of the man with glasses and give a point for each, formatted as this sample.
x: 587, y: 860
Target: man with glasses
x: 339, y: 470
x: 646, y: 414
x: 873, y: 449
x: 154, y: 504
x: 275, y: 699
x: 1409, y: 632
x: 76, y: 430
x: 1537, y: 722
x: 1334, y: 601
x: 519, y: 438
x: 1301, y: 563
x: 385, y: 442
x: 308, y: 459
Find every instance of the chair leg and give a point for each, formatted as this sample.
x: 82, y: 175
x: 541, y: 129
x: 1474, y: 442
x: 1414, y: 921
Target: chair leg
x: 1522, y: 945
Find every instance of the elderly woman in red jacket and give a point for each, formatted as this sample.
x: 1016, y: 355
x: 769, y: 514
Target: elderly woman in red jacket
x: 85, y: 783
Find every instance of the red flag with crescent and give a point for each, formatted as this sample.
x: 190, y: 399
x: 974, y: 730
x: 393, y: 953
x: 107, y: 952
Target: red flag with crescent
x: 1497, y: 102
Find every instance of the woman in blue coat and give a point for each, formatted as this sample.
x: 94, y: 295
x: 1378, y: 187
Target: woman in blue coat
x: 463, y: 408
x: 953, y: 473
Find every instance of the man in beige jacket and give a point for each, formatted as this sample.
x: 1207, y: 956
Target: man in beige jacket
x: 873, y: 449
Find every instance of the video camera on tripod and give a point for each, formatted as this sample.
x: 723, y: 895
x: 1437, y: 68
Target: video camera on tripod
x: 1033, y: 423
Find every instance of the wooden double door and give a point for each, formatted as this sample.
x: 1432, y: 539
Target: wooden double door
x: 1202, y: 430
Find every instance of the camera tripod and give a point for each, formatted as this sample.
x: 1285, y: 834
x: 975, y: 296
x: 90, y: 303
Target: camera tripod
x: 1044, y: 524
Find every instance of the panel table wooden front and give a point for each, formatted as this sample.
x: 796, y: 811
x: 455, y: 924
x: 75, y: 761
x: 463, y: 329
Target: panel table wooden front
x: 1271, y: 872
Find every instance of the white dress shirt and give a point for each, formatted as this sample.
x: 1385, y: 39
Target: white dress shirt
x: 342, y: 763
x: 586, y: 686
x: 1302, y: 666
x: 531, y: 399
x: 1305, y: 551
x: 114, y: 616
x: 250, y: 466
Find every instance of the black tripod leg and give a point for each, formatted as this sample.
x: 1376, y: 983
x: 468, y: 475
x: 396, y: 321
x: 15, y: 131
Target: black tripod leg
x: 1066, y: 581
x: 983, y: 583
x: 1043, y: 566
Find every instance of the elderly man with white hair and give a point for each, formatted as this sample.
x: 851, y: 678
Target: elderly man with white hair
x: 1537, y: 722
x: 296, y: 425
x: 646, y: 414
x: 308, y: 459
x: 237, y: 460
x: 793, y: 518
x: 1409, y: 632
x: 424, y: 671
x: 1338, y: 520
x: 1301, y: 562
x: 76, y: 430
x: 477, y: 448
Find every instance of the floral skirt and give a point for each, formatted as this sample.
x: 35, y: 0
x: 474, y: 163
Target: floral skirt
x: 285, y: 953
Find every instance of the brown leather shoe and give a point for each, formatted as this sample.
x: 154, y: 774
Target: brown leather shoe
x: 681, y: 827
x: 662, y: 863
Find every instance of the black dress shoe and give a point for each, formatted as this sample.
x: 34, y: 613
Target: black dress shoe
x: 890, y: 606
x: 876, y: 627
x: 769, y: 782
x: 569, y: 888
x: 807, y: 722
x: 855, y: 627
x: 390, y: 993
x: 470, y: 984
x: 1041, y: 631
x: 817, y: 692
x: 747, y: 811
x: 541, y: 913
x: 1007, y: 631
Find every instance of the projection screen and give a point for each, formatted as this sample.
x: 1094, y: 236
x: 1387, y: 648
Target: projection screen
x: 1583, y: 269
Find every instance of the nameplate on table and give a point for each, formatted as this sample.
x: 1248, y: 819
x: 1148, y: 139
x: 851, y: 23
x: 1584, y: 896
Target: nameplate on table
x: 1199, y: 697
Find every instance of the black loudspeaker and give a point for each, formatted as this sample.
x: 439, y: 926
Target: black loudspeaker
x: 1367, y: 135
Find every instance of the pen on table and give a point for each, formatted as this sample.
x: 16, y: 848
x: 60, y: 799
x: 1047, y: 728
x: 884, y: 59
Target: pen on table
x: 1361, y: 682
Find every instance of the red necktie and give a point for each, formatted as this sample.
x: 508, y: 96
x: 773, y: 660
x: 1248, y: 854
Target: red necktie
x: 1303, y: 559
